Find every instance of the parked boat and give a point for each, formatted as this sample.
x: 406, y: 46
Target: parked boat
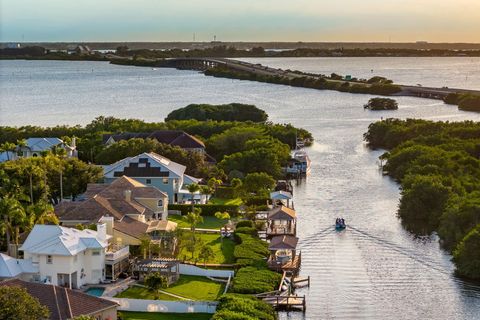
x: 300, y: 163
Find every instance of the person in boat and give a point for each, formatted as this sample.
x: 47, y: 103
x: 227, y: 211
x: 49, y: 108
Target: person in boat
x: 342, y: 221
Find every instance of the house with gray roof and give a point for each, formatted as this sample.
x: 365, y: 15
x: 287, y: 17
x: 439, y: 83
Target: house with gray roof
x: 34, y: 147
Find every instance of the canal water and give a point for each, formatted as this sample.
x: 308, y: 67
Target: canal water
x: 374, y: 270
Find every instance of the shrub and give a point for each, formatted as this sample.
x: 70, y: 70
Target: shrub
x: 245, y: 223
x: 467, y: 255
x: 243, y: 307
x: 224, y: 112
x: 246, y: 230
x: 470, y: 103
x: 225, y: 192
x: 250, y: 247
x: 251, y: 280
x: 381, y: 104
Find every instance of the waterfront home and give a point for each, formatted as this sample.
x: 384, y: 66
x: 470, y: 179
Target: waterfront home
x: 64, y: 303
x: 283, y: 254
x: 281, y: 221
x: 152, y: 169
x: 69, y: 257
x: 130, y: 209
x: 34, y: 147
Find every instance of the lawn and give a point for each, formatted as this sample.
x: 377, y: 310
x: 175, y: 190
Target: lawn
x: 189, y: 287
x: 136, y: 292
x: 224, y: 201
x: 208, y: 222
x: 163, y: 316
x: 197, y: 288
x: 223, y: 250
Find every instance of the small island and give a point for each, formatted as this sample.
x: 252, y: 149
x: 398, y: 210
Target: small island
x: 376, y: 104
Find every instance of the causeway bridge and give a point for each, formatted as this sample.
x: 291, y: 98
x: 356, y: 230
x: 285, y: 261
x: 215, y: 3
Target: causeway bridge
x: 202, y: 64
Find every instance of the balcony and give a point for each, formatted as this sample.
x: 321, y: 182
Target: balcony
x: 282, y: 229
x: 116, y: 252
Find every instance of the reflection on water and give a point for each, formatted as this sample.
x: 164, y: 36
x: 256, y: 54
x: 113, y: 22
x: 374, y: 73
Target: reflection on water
x: 375, y: 271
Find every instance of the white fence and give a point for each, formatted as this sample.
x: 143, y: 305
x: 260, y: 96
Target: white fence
x: 186, y: 306
x: 196, y: 271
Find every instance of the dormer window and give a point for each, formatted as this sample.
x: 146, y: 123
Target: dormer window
x: 49, y: 259
x: 160, y: 203
x: 148, y: 181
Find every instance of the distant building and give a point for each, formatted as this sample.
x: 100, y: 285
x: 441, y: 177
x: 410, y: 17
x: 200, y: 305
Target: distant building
x: 80, y: 50
x: 34, y: 147
x: 65, y: 303
x: 171, y: 137
x: 13, y: 45
x: 152, y: 169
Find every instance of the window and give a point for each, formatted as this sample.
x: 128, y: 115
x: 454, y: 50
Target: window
x: 148, y: 181
x: 49, y: 259
x: 160, y: 203
x: 48, y: 279
x: 165, y: 180
x: 95, y: 252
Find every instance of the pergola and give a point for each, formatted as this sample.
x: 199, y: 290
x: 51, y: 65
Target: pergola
x: 283, y: 252
x: 281, y: 221
x: 167, y: 267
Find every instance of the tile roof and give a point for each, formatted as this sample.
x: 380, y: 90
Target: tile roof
x: 63, y: 303
x: 132, y: 227
x: 282, y: 213
x: 109, y: 200
x: 162, y: 225
x: 283, y: 242
x: 57, y: 240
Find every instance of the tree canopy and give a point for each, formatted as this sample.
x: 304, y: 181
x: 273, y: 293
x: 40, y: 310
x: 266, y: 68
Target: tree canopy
x: 17, y: 303
x: 223, y: 112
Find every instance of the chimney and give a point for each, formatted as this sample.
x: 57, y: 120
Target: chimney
x: 102, y: 232
x: 109, y: 222
x: 128, y: 195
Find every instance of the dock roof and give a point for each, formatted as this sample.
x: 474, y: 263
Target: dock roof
x: 282, y: 213
x: 283, y: 242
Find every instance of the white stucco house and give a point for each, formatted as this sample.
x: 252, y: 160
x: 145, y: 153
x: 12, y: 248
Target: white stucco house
x: 68, y: 257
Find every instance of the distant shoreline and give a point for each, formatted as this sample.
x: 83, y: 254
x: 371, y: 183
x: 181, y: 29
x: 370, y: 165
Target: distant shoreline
x: 273, y: 45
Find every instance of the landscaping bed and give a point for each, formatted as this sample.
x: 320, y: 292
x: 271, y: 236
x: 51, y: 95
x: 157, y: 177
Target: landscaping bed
x: 208, y: 222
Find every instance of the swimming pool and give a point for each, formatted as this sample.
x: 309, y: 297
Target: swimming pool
x: 97, y: 292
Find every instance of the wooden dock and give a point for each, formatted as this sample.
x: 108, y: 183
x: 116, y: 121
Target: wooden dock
x: 287, y: 302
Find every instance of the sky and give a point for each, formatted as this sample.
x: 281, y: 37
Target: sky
x: 240, y: 20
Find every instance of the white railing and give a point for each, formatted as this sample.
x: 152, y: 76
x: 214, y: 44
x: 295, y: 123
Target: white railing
x: 117, y: 254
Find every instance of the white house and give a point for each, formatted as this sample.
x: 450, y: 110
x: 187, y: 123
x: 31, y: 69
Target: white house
x: 68, y: 257
x: 34, y: 147
x: 152, y: 169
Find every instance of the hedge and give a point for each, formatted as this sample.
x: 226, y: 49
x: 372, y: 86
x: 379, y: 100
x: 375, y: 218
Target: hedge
x: 251, y: 280
x: 207, y: 209
x: 245, y: 223
x: 243, y: 307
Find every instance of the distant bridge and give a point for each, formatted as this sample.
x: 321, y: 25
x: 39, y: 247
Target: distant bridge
x: 203, y: 64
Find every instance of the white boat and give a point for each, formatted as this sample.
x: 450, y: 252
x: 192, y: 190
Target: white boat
x: 300, y: 162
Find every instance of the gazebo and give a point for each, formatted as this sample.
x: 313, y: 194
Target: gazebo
x: 281, y: 221
x: 167, y: 267
x: 281, y: 196
x: 283, y: 254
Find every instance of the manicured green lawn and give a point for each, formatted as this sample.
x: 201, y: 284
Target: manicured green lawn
x: 136, y: 292
x: 208, y: 222
x: 197, y: 288
x: 190, y: 287
x: 223, y: 201
x: 163, y: 316
x: 223, y: 250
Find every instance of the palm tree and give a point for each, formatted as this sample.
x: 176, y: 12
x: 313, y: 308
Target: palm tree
x: 193, y: 188
x: 213, y: 183
x: 194, y: 218
x: 145, y: 243
x: 13, y: 218
x: 7, y: 147
x: 41, y: 213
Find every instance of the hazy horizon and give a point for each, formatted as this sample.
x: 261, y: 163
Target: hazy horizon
x: 247, y: 21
